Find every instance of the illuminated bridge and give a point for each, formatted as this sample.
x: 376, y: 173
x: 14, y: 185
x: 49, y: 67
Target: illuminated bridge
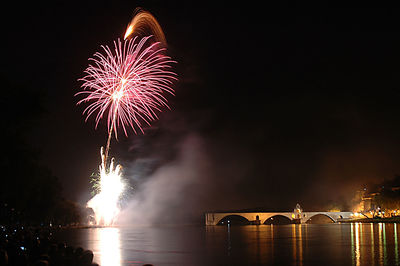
x: 297, y: 216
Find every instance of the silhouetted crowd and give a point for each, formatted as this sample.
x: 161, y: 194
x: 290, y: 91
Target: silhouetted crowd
x: 33, y: 246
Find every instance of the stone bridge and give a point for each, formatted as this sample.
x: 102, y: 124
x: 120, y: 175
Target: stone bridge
x: 261, y: 217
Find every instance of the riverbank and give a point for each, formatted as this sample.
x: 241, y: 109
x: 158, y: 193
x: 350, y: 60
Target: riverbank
x: 21, y: 245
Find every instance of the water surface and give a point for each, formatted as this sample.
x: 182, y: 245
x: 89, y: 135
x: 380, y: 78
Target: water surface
x: 305, y: 244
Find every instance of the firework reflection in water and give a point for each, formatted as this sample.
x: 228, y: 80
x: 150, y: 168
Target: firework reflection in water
x: 111, y: 187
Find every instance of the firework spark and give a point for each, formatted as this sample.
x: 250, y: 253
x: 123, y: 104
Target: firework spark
x: 128, y: 84
x: 111, y: 187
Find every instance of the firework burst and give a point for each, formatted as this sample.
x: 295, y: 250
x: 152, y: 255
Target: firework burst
x: 127, y: 85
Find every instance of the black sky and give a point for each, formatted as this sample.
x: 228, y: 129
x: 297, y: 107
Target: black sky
x: 284, y: 104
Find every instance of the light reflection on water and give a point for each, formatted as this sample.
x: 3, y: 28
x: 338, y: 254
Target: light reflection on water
x: 109, y: 247
x: 396, y: 246
x: 306, y: 244
x: 385, y: 251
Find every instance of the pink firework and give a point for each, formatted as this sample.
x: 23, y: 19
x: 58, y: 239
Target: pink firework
x: 127, y: 84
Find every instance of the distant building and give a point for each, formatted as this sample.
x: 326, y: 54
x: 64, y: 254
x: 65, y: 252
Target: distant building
x: 367, y: 201
x: 364, y: 201
x: 381, y: 200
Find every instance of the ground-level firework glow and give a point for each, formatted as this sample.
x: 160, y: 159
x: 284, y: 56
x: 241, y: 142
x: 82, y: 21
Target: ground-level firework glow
x: 111, y: 187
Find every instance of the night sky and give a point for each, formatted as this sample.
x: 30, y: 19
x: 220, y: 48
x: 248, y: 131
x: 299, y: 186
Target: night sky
x: 274, y: 105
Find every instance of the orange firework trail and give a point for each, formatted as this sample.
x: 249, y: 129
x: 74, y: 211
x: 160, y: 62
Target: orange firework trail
x: 144, y: 23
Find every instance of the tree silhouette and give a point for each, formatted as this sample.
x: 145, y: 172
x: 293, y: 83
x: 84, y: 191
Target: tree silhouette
x: 29, y: 193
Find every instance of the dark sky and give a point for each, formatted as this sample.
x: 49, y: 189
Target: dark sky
x: 274, y: 105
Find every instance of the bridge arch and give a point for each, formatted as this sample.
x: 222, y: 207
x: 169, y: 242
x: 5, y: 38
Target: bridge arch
x: 278, y: 219
x: 320, y: 218
x: 233, y: 219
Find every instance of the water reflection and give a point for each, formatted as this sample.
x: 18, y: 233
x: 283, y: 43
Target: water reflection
x: 109, y: 246
x: 384, y: 244
x: 372, y: 244
x: 366, y: 251
x: 229, y: 239
x: 294, y: 244
x: 396, y: 246
x: 271, y: 242
x: 380, y: 243
x: 357, y: 241
x: 299, y: 244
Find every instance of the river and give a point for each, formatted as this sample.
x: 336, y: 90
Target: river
x: 295, y: 244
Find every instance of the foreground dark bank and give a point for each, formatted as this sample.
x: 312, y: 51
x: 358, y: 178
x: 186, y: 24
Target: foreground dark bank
x: 20, y: 245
